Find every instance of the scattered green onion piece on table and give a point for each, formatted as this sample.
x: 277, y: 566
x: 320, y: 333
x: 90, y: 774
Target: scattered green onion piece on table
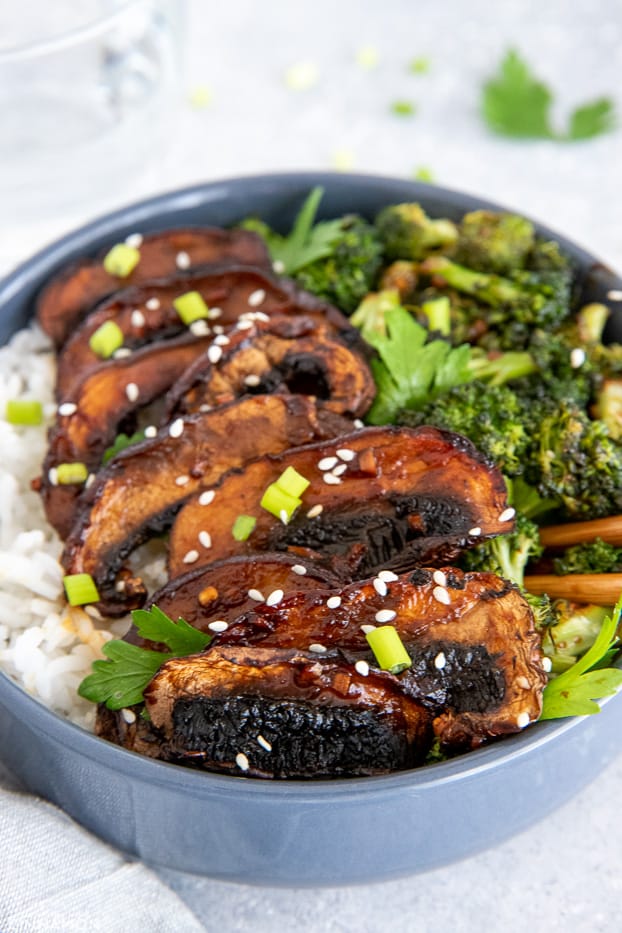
x: 80, y: 589
x: 68, y: 473
x: 106, y: 339
x: 121, y: 260
x: 403, y: 108
x: 419, y: 66
x: 388, y: 649
x: 243, y: 526
x: 278, y: 502
x: 191, y: 307
x: 292, y: 482
x: 24, y: 411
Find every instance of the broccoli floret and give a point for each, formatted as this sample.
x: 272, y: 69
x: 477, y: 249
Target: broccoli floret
x: 592, y: 557
x: 574, y: 629
x: 507, y: 555
x: 575, y: 461
x: 349, y: 273
x: 492, y: 417
x: 608, y: 406
x: 494, y: 242
x: 401, y: 276
x: 408, y: 233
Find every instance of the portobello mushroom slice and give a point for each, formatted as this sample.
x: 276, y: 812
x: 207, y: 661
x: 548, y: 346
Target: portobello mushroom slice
x: 276, y: 355
x: 79, y: 287
x: 379, y: 498
x: 88, y: 421
x: 275, y: 713
x: 137, y: 494
x: 145, y: 313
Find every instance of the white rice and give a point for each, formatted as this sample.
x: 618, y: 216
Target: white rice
x: 45, y: 645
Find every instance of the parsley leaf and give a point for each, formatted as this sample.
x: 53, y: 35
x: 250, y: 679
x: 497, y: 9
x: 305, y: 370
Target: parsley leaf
x: 515, y: 102
x: 574, y: 692
x: 121, y: 680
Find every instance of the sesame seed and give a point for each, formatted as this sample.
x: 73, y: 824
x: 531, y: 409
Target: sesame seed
x: 385, y: 615
x: 284, y: 516
x: 120, y: 586
x: 522, y: 720
x: 252, y: 379
x: 257, y: 595
x: 387, y: 576
x: 137, y: 318
x: 244, y: 325
x: 274, y: 598
x: 200, y: 328
x: 242, y: 761
x: 439, y: 577
x: 547, y: 665
x: 366, y: 629
x: 507, y: 515
x: 344, y: 453
x: 204, y: 408
x: 152, y: 304
x: 221, y: 340
x: 577, y: 357
x: 299, y: 569
x: 278, y: 266
x: 315, y: 510
x: 132, y: 392
x: 176, y: 429
x: 135, y: 240
x: 215, y: 313
x: 333, y: 602
x: 330, y: 479
x: 93, y: 612
x: 441, y: 595
x: 264, y: 743
x: 475, y: 532
x: 89, y: 480
x: 122, y: 353
x: 358, y: 423
x: 181, y: 480
x: 317, y: 649
x: 191, y: 557
x: 53, y: 476
x: 214, y: 353
x: 440, y: 661
x: 339, y: 470
x: 151, y: 431
x: 128, y: 716
x: 615, y: 294
x: 522, y: 682
x: 380, y: 587
x: 219, y: 625
x: 362, y: 668
x: 182, y: 260
x: 205, y: 539
x: 327, y: 463
x: 206, y: 497
x: 67, y: 409
x: 256, y: 298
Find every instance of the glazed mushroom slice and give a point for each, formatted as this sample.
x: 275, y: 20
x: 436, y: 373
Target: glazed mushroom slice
x: 284, y: 714
x: 379, y: 498
x: 88, y: 421
x: 145, y: 313
x: 276, y: 355
x: 139, y: 491
x: 76, y: 289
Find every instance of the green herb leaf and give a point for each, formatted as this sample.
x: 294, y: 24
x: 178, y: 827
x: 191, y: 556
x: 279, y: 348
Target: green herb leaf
x: 122, y: 441
x: 574, y: 692
x: 592, y: 119
x: 180, y: 637
x: 120, y: 681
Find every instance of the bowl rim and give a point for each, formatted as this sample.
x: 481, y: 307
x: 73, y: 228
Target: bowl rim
x: 36, y: 715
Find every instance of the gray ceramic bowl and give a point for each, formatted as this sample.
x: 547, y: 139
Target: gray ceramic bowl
x: 291, y: 833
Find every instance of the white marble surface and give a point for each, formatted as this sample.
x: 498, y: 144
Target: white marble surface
x: 565, y: 873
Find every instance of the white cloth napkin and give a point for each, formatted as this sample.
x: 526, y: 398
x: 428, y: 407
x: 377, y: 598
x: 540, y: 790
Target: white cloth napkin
x: 55, y: 877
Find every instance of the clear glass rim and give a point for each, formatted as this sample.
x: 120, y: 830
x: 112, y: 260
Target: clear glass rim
x: 71, y: 37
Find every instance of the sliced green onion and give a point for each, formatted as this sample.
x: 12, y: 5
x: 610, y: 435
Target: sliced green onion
x: 279, y: 503
x: 419, y: 66
x: 292, y: 482
x: 438, y: 311
x: 388, y: 649
x: 23, y: 411
x: 67, y: 473
x: 402, y: 108
x: 106, y: 339
x: 80, y: 589
x: 243, y: 526
x: 191, y: 307
x: 122, y: 441
x: 121, y: 260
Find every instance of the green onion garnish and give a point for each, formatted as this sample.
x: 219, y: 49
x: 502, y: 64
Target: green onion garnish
x: 22, y: 411
x: 67, y: 473
x: 121, y: 260
x: 388, y: 649
x: 292, y: 482
x: 191, y: 307
x: 122, y: 441
x: 243, y: 526
x: 282, y: 497
x: 80, y: 589
x: 402, y: 108
x: 106, y: 339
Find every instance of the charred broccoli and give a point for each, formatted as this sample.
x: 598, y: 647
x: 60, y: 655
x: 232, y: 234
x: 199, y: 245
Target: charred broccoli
x: 494, y: 242
x: 408, y: 233
x: 507, y: 555
x: 592, y: 557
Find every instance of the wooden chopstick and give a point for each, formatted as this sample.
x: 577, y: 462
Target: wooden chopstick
x: 602, y: 589
x: 609, y: 529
